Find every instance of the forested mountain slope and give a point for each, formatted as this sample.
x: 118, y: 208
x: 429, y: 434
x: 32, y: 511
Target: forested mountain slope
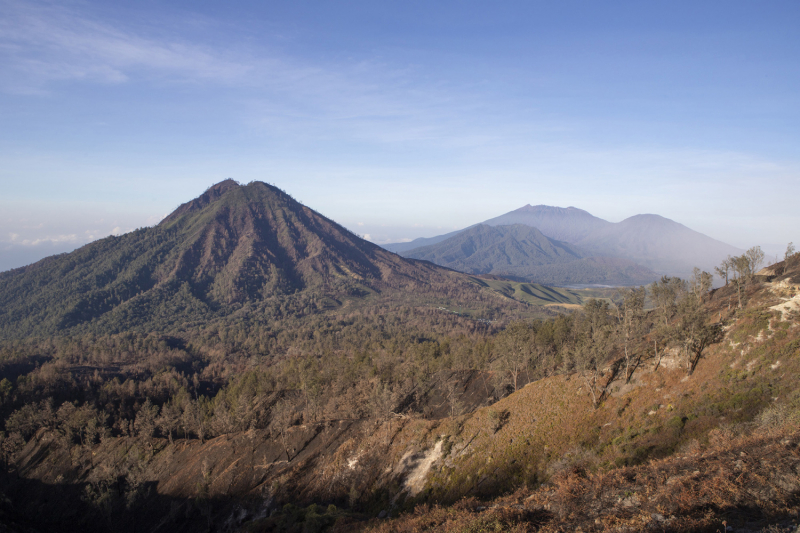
x: 483, y: 249
x: 237, y: 249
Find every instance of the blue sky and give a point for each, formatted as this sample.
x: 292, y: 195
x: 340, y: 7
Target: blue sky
x: 399, y: 119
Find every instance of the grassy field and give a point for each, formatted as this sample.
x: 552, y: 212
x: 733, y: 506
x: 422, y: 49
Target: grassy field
x: 536, y: 294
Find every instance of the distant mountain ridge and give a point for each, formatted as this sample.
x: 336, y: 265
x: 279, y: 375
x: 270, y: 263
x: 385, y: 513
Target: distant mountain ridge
x: 652, y: 241
x: 659, y: 243
x: 523, y: 252
x: 482, y: 249
x: 567, y: 224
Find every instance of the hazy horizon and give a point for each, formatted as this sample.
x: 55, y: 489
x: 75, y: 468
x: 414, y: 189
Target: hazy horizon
x: 398, y: 121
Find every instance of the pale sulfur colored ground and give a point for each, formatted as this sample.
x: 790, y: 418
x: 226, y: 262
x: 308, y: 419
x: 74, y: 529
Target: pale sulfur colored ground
x: 789, y: 304
x: 419, y: 467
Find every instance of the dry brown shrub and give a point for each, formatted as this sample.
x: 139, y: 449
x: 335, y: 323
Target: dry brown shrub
x: 744, y: 476
x: 691, y: 447
x: 576, y: 460
x: 777, y: 416
x: 722, y: 436
x: 463, y: 518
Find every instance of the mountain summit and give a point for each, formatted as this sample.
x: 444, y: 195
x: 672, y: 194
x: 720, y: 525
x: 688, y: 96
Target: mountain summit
x: 240, y: 242
x: 568, y: 224
x: 664, y: 245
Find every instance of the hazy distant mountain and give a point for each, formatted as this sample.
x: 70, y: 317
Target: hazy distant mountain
x: 524, y: 253
x: 662, y: 245
x: 401, y: 247
x: 658, y: 243
x: 568, y: 224
x: 234, y: 250
x: 483, y: 249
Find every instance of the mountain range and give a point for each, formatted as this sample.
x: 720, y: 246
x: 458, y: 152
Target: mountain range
x: 236, y: 250
x: 655, y: 244
x: 253, y: 251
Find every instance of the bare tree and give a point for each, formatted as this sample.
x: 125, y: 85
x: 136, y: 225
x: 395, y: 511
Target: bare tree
x: 591, y: 346
x: 145, y: 423
x: 741, y: 268
x: 692, y: 334
x: 244, y: 410
x: 313, y: 398
x: 168, y: 420
x: 454, y: 397
x: 700, y: 283
x: 384, y: 400
x: 665, y: 294
x: 630, y: 321
x: 788, y: 256
x: 745, y: 267
x: 221, y: 420
x: 724, y: 268
x: 194, y: 418
x: 282, y: 418
x: 516, y: 349
x: 756, y: 258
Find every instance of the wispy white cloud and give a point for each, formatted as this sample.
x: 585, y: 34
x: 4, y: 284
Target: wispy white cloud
x: 361, y: 99
x: 42, y: 43
x: 15, y: 239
